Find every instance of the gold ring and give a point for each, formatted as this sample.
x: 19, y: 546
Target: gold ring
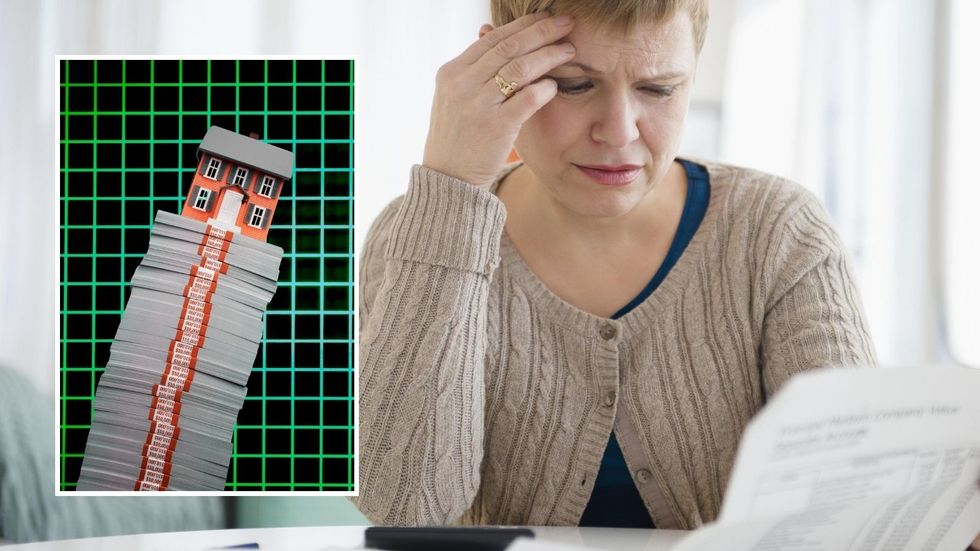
x: 506, y: 88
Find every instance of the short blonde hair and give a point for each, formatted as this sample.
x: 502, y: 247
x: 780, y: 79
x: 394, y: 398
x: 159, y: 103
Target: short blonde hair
x: 617, y: 14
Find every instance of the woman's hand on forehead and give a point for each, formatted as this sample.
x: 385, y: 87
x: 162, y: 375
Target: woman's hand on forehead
x: 485, y: 94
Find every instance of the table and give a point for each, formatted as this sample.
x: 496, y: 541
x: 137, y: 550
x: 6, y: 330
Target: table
x: 349, y: 537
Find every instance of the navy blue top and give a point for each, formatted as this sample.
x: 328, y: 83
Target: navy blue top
x: 615, y: 500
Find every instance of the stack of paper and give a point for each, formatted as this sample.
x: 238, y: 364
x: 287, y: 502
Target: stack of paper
x: 166, y: 406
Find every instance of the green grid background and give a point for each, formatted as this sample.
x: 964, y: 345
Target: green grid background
x: 129, y: 131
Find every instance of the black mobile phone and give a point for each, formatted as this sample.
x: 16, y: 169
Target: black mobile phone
x: 466, y: 538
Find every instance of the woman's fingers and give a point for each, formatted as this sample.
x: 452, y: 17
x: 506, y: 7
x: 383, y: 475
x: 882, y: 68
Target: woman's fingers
x: 529, y: 99
x: 529, y: 68
x: 519, y: 44
x: 486, y: 42
x: 473, y: 125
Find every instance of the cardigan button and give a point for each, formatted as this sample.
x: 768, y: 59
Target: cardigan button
x: 610, y: 400
x: 607, y: 331
x: 643, y: 476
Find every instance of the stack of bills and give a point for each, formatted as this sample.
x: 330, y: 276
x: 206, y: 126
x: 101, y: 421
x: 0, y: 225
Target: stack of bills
x: 166, y: 406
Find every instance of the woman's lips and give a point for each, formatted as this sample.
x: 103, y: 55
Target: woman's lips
x: 619, y: 175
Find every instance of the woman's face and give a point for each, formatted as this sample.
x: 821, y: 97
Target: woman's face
x: 611, y: 133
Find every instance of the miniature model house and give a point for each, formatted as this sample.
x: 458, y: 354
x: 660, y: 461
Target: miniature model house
x: 238, y: 182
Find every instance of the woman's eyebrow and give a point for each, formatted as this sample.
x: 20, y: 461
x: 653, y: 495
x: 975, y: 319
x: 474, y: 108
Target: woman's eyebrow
x: 580, y: 65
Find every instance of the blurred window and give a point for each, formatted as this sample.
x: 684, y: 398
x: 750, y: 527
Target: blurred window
x: 962, y: 223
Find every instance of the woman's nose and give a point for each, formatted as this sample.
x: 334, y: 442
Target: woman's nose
x: 616, y: 122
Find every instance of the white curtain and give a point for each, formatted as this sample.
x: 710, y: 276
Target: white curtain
x: 29, y: 220
x: 841, y: 96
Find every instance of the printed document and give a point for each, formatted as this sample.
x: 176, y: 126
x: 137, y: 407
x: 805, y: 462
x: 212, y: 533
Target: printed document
x: 881, y: 459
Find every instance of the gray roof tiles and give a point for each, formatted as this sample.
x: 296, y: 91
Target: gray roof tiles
x: 248, y: 151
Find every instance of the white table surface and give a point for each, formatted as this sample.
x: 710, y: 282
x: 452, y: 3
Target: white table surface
x: 344, y: 537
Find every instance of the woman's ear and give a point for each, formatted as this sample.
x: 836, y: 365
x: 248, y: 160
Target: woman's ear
x: 485, y: 29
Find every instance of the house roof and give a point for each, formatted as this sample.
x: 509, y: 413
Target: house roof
x: 248, y: 151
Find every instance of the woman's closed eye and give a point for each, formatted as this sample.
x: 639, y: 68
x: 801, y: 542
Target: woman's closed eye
x: 659, y: 91
x: 575, y: 87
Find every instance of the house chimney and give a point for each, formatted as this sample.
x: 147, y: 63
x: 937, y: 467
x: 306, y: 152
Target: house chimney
x: 253, y: 135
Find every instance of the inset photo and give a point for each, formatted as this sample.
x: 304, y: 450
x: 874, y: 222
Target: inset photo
x: 206, y: 275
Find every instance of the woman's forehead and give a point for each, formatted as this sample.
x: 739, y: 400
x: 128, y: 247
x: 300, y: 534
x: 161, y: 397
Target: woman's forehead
x: 647, y: 47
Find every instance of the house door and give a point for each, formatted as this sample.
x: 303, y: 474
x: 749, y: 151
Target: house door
x: 231, y: 203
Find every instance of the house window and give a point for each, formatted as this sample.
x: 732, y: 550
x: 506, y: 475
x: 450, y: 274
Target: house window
x: 258, y: 213
x: 212, y: 170
x: 240, y: 175
x: 201, y: 201
x: 265, y: 189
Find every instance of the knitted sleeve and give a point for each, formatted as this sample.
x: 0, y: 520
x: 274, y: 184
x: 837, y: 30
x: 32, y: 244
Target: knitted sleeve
x: 813, y: 313
x: 425, y: 273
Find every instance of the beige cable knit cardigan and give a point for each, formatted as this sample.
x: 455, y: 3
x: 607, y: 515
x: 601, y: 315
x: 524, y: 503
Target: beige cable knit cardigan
x: 487, y: 399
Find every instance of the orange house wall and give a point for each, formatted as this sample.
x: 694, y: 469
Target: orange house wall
x: 254, y: 177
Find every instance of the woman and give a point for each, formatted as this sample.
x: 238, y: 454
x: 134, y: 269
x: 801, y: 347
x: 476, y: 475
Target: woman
x: 581, y: 338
